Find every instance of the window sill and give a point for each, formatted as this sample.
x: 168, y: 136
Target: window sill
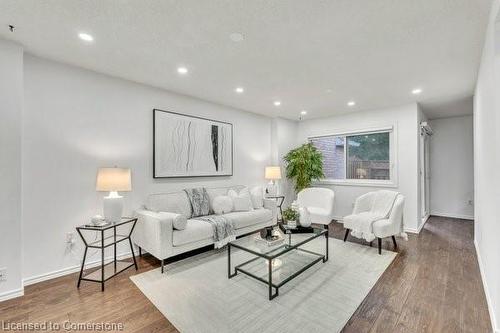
x: 360, y: 183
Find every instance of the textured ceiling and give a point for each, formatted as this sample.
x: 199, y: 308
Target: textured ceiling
x: 313, y: 55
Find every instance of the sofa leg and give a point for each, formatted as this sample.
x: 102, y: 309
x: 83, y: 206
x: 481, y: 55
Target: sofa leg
x: 162, y: 265
x: 394, y: 242
x: 379, y: 245
x: 140, y: 251
x: 346, y: 234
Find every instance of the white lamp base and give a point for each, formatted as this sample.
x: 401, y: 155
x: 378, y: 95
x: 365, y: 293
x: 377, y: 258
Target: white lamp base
x: 271, y: 188
x: 113, y: 207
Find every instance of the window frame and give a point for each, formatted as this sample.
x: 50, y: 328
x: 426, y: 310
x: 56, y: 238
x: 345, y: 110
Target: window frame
x: 393, y: 171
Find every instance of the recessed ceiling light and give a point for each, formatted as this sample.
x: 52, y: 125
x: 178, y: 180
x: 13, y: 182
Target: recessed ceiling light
x: 328, y: 91
x: 236, y: 37
x: 85, y: 37
x: 182, y: 70
x: 416, y: 91
x: 351, y: 103
x: 303, y: 112
x: 239, y: 90
x: 277, y: 103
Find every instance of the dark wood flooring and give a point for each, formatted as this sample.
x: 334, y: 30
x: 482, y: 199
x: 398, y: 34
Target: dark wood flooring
x: 433, y: 285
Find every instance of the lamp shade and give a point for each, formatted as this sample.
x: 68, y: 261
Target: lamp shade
x: 114, y: 179
x: 273, y: 172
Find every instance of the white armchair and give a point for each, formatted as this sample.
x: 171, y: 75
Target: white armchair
x: 319, y: 203
x: 388, y: 227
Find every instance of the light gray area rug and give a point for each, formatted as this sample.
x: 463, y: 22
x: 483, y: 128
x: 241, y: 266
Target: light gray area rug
x: 195, y: 294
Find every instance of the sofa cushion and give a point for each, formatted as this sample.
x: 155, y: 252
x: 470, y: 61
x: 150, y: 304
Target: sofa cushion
x: 241, y: 200
x: 222, y: 205
x: 214, y: 193
x: 195, y: 231
x: 245, y: 219
x: 200, y: 204
x: 176, y: 202
x: 257, y: 196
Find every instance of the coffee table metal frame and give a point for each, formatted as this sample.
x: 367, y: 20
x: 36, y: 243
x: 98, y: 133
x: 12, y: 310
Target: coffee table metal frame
x: 270, y: 257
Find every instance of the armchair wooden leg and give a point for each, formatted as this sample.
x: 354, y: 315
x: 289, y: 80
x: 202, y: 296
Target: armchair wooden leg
x: 162, y: 265
x: 394, y: 242
x: 346, y: 234
x: 379, y: 245
x: 140, y: 251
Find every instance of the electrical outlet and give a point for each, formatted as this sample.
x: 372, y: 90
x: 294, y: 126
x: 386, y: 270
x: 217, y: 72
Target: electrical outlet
x: 70, y: 237
x: 3, y: 274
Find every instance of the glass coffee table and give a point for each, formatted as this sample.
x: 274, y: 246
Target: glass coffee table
x: 277, y: 264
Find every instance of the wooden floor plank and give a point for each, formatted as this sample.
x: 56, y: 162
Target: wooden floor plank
x: 433, y: 285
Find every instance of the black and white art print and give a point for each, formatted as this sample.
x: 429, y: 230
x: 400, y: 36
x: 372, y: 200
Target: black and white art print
x: 187, y: 146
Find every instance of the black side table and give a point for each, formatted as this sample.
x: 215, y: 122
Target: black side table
x: 279, y: 200
x: 106, y: 272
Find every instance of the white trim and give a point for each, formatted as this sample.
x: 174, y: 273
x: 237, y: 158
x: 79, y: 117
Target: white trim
x: 11, y: 294
x: 491, y: 311
x: 393, y: 158
x: 69, y: 270
x: 455, y: 216
x: 356, y: 182
x: 416, y: 231
x: 370, y: 130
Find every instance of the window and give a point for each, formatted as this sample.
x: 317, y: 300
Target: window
x: 357, y: 157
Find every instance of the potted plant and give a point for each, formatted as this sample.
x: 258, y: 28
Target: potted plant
x: 291, y: 215
x: 304, y: 165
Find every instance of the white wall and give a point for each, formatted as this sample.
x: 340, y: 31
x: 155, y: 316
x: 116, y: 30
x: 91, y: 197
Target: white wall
x: 452, y: 167
x: 486, y: 166
x: 284, y: 139
x: 11, y: 104
x: 405, y: 122
x: 77, y: 121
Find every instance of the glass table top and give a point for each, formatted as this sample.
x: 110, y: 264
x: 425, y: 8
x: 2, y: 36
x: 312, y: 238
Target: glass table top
x: 255, y: 244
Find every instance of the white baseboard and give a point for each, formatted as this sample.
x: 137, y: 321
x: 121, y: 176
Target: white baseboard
x: 417, y: 230
x: 69, y: 270
x: 455, y: 216
x: 11, y: 294
x: 493, y: 320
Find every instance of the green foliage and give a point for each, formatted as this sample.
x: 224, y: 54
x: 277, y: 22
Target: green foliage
x: 290, y: 214
x: 304, y: 165
x: 369, y: 147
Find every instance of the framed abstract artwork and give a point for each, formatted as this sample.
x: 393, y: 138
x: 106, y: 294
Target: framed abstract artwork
x: 189, y: 146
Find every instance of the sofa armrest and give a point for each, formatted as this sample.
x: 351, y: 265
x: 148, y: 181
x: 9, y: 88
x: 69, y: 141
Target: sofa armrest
x: 271, y: 205
x: 153, y: 232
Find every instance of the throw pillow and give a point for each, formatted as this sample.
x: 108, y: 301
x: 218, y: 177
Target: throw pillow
x: 257, y: 197
x: 200, y: 202
x: 241, y: 201
x: 222, y: 204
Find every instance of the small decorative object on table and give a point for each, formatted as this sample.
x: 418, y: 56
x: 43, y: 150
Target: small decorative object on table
x: 270, y: 236
x: 290, y: 216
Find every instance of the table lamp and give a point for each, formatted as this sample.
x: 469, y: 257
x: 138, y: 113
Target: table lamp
x: 113, y: 180
x: 272, y: 174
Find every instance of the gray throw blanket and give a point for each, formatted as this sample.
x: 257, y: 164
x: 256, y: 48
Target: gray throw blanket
x: 223, y: 229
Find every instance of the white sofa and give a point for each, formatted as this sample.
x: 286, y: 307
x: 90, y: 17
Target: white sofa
x: 155, y: 233
x: 388, y: 227
x: 319, y: 203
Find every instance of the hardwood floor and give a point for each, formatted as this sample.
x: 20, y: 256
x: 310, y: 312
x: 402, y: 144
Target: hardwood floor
x: 433, y: 285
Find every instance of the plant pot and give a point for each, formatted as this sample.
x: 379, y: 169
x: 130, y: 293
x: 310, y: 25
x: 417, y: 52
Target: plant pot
x: 292, y: 224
